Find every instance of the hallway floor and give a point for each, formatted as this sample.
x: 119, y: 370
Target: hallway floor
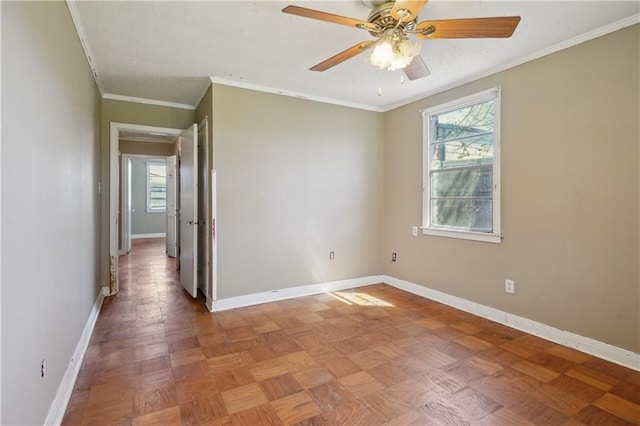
x: 368, y: 356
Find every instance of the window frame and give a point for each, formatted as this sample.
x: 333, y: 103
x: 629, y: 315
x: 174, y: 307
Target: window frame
x: 149, y: 163
x: 495, y: 236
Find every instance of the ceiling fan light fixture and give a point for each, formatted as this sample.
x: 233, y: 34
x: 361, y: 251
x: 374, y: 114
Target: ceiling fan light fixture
x: 383, y: 54
x: 394, y: 54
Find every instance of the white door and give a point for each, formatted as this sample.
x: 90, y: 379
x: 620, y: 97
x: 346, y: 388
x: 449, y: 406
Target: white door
x: 172, y: 222
x: 128, y: 210
x: 189, y: 209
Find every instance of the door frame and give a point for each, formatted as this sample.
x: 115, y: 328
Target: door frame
x: 213, y: 256
x: 203, y: 229
x: 114, y: 192
x: 126, y: 207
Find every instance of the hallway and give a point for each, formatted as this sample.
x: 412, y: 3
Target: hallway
x: 372, y: 355
x: 128, y: 355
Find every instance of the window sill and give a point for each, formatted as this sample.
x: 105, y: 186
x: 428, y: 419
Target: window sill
x: 465, y: 235
x: 156, y: 211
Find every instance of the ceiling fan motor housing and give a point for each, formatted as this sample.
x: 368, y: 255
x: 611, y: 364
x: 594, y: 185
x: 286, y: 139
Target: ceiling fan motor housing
x: 381, y: 17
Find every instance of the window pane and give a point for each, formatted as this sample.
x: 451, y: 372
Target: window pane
x: 473, y: 215
x: 465, y: 121
x: 157, y: 198
x: 157, y: 185
x: 465, y: 152
x: 461, y: 149
x: 463, y: 183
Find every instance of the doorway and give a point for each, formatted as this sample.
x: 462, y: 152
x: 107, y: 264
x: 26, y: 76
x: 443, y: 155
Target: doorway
x: 139, y: 138
x: 202, y: 217
x: 147, y: 199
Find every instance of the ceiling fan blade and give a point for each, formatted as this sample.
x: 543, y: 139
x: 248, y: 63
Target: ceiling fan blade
x: 328, y: 17
x: 343, y: 56
x: 416, y: 69
x: 498, y: 27
x: 413, y: 8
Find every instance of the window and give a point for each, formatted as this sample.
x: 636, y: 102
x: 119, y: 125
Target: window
x: 461, y: 192
x: 156, y: 186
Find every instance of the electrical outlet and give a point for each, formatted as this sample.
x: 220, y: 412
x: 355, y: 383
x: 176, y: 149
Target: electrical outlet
x: 414, y: 231
x: 510, y: 286
x: 393, y: 257
x: 42, y: 368
x: 331, y: 255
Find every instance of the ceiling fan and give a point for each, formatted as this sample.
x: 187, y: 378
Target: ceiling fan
x: 391, y: 22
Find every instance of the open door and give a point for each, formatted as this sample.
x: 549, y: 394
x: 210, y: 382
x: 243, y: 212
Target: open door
x: 188, y: 166
x: 172, y: 219
x: 127, y: 211
x: 125, y: 204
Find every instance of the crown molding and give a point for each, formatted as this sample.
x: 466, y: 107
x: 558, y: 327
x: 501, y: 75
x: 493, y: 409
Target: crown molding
x: 598, y: 32
x: 75, y: 17
x: 113, y: 97
x: 282, y: 92
x: 203, y: 93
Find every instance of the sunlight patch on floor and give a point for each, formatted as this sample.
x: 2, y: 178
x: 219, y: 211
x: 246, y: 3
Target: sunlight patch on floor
x: 361, y: 299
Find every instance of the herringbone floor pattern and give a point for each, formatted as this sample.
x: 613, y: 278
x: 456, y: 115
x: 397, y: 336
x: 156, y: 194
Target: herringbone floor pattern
x: 368, y: 356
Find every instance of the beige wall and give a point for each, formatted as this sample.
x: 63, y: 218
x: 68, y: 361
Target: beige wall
x: 296, y: 180
x: 130, y: 113
x: 50, y: 203
x: 570, y: 212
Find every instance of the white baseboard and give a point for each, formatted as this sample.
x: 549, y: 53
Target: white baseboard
x: 59, y: 404
x: 156, y: 235
x: 292, y: 292
x: 593, y: 347
x: 584, y: 344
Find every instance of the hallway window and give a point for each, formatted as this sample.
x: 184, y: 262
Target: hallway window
x: 156, y: 186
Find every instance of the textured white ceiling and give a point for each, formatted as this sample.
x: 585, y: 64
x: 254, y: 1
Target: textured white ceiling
x: 170, y: 51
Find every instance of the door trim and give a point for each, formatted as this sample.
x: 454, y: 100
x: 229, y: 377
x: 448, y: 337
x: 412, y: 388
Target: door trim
x: 205, y: 205
x: 126, y: 188
x: 114, y: 192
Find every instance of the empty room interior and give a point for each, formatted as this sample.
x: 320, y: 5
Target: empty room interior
x: 240, y: 222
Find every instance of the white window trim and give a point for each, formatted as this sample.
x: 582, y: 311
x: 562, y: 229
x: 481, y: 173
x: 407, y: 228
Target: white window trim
x: 491, y: 237
x: 148, y: 208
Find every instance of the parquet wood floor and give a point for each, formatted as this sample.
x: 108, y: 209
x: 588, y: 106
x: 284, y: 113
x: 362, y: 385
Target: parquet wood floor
x: 372, y: 355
